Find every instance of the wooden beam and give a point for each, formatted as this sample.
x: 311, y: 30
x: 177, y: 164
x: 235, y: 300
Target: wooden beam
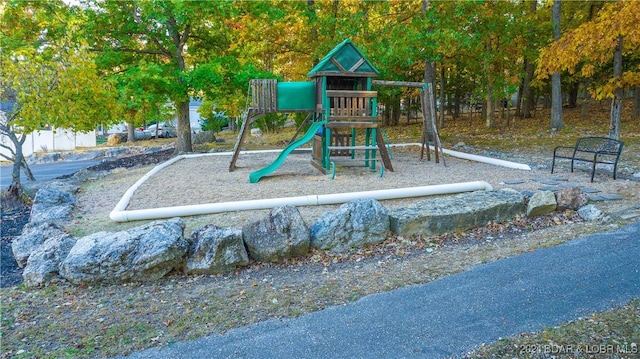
x: 357, y: 65
x: 338, y: 65
x: 398, y: 83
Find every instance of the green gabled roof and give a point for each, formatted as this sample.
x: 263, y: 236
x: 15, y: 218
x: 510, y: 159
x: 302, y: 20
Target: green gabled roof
x: 345, y: 59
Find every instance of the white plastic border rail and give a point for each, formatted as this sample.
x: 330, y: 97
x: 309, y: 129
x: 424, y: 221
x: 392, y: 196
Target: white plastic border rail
x: 120, y: 214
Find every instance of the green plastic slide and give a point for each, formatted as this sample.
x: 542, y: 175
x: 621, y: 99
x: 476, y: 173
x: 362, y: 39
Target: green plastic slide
x: 255, y: 176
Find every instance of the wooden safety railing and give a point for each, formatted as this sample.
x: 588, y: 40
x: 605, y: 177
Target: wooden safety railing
x: 264, y: 95
x: 352, y: 106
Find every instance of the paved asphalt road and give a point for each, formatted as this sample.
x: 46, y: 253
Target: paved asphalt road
x: 452, y: 315
x: 46, y: 171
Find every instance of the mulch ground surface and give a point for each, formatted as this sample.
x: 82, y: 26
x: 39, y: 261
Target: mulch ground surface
x: 15, y: 214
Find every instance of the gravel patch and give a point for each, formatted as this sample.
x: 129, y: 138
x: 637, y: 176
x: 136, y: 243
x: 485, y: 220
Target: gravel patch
x: 206, y: 179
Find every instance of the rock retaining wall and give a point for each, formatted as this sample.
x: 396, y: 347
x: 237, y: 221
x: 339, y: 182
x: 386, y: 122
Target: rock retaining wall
x: 460, y: 212
x: 152, y: 250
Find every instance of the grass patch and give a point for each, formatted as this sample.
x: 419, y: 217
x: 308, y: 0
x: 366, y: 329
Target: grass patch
x: 613, y: 333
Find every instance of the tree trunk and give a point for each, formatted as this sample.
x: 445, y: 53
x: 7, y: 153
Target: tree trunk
x: 490, y: 109
x: 15, y: 168
x: 131, y: 133
x: 616, y: 103
x: 181, y: 101
x: 635, y: 112
x: 556, y: 84
x: 27, y: 170
x: 508, y: 109
x: 442, y: 99
x: 429, y: 78
x: 457, y: 99
x: 429, y: 73
x: 18, y: 160
x: 395, y: 114
x: 183, y: 142
x: 527, y: 99
x: 573, y: 94
x: 519, y: 98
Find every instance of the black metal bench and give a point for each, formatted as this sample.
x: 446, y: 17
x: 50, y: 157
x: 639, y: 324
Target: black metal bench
x: 591, y: 149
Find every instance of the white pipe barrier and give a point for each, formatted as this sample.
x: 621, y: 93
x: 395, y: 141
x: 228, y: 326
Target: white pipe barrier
x: 120, y: 214
x: 477, y: 158
x: 309, y: 200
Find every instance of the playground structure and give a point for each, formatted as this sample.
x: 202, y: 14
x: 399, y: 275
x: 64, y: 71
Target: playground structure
x: 342, y: 109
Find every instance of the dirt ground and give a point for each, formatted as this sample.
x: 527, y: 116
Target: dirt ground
x: 205, y: 179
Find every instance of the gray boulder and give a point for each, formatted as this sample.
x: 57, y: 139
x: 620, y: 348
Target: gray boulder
x: 203, y: 137
x: 542, y: 202
x: 589, y: 212
x: 143, y: 253
x: 353, y: 225
x: 33, y: 236
x: 571, y: 198
x: 256, y: 132
x: 53, y: 203
x: 283, y: 234
x: 446, y: 214
x: 216, y: 250
x: 43, y: 264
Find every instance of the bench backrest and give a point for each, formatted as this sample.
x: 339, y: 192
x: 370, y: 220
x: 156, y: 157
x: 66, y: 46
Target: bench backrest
x: 599, y: 144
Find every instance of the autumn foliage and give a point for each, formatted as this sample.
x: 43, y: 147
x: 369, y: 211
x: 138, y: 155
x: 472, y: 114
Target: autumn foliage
x: 588, y: 50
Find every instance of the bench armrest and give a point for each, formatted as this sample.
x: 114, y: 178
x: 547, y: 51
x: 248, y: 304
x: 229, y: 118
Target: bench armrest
x: 562, y: 148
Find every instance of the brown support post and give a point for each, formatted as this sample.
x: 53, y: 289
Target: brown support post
x: 384, y: 154
x: 246, y: 125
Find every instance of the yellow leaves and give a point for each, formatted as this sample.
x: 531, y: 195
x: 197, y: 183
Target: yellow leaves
x: 592, y: 44
x: 588, y: 70
x: 628, y: 80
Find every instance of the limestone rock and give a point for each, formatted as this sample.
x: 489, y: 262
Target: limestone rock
x: 216, y: 250
x: 353, y: 225
x: 571, y: 198
x: 589, y: 212
x: 256, y: 132
x: 53, y: 203
x: 542, y: 202
x: 33, y: 236
x: 440, y: 215
x: 143, y: 253
x: 43, y: 264
x: 283, y: 234
x: 203, y: 137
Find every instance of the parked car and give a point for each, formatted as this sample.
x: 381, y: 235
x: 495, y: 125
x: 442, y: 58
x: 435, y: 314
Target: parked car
x: 164, y: 130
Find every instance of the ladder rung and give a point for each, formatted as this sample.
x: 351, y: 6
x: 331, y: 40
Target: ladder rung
x: 353, y: 147
x: 340, y: 124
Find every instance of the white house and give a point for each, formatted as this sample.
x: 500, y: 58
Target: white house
x: 194, y: 117
x: 55, y: 139
x: 58, y: 139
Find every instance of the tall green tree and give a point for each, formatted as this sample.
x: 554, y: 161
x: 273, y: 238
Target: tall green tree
x: 51, y: 78
x: 177, y: 37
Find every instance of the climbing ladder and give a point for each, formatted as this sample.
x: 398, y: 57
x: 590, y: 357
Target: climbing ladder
x: 352, y: 111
